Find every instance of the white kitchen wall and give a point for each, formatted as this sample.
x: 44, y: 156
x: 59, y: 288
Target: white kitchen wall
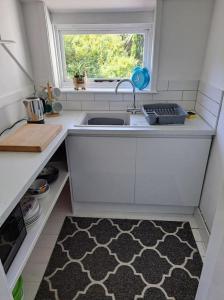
x: 212, y: 202
x: 208, y: 104
x: 13, y: 83
x: 184, y: 32
x: 183, y: 39
x: 213, y: 79
x: 37, y: 31
x: 102, y: 18
x: 37, y: 20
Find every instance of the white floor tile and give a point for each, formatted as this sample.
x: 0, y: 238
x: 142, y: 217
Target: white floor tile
x: 54, y: 224
x: 47, y: 241
x: 30, y: 290
x: 36, y: 265
x: 63, y: 204
x: 197, y: 235
x: 40, y: 255
x: 201, y: 248
x: 33, y: 272
x: 203, y: 258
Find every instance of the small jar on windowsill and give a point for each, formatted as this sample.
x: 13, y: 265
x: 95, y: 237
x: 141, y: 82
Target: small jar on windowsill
x: 80, y: 81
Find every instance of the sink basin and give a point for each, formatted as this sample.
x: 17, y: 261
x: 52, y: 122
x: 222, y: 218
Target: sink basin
x: 106, y: 119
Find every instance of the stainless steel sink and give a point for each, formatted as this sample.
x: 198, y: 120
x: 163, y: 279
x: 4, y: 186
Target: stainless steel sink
x: 106, y: 119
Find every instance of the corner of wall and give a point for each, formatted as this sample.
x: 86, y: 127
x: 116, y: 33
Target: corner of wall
x: 209, y: 102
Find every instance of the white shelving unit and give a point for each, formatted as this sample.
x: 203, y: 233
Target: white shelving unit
x: 34, y: 232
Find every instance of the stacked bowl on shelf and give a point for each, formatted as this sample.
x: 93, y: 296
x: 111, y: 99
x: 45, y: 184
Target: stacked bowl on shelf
x: 38, y: 190
x: 31, y: 210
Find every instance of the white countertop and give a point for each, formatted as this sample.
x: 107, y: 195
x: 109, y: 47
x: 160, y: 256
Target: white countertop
x: 139, y: 127
x: 19, y: 170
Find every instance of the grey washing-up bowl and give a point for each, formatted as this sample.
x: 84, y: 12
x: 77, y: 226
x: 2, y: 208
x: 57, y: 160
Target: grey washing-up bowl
x: 106, y: 119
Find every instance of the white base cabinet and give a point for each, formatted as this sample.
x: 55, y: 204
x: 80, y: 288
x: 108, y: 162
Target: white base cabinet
x: 144, y: 171
x: 102, y: 169
x: 170, y: 171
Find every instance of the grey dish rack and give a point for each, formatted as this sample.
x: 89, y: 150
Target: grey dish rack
x: 164, y: 113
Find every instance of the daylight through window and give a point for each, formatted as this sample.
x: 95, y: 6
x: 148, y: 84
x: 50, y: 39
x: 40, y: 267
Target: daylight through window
x: 105, y: 56
x: 105, y: 53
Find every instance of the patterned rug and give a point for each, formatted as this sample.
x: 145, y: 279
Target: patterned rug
x: 114, y: 259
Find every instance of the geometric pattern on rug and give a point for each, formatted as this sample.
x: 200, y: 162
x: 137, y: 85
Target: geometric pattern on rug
x: 116, y: 259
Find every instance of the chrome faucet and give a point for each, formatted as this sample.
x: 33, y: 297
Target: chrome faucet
x: 133, y: 109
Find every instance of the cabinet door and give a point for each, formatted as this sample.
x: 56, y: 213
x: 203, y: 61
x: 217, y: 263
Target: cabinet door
x: 102, y: 169
x: 170, y: 171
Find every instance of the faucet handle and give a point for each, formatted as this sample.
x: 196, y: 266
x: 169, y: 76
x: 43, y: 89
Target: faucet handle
x: 134, y: 110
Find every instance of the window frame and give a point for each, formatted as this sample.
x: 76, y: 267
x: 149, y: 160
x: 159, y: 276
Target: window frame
x: 62, y: 29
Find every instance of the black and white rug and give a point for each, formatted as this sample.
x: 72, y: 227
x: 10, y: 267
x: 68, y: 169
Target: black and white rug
x: 113, y: 259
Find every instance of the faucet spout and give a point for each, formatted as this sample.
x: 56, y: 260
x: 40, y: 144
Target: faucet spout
x: 134, y: 109
x: 122, y: 81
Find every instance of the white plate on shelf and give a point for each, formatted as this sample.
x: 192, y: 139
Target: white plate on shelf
x: 34, y: 217
x: 30, y: 223
x: 30, y: 207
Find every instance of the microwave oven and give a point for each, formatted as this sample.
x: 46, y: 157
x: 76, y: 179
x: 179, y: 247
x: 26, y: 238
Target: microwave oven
x: 12, y: 234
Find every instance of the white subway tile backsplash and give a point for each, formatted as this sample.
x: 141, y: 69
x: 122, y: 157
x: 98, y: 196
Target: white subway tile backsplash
x: 210, y: 105
x: 139, y: 97
x: 72, y: 105
x: 108, y: 97
x: 187, y: 105
x: 94, y: 105
x: 80, y: 96
x: 209, y: 101
x: 206, y: 115
x: 183, y: 85
x: 144, y: 97
x: 210, y: 91
x: 128, y: 97
x: 183, y: 91
x: 168, y: 96
x: 62, y: 97
x: 189, y: 95
x: 162, y: 85
x: 140, y: 103
x: 118, y: 105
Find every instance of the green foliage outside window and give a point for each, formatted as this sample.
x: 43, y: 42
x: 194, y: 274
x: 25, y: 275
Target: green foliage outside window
x: 103, y: 55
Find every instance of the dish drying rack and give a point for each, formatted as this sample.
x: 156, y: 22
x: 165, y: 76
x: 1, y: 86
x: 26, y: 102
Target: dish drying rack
x: 164, y: 113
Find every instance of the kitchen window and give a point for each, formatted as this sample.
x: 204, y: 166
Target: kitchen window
x: 107, y: 53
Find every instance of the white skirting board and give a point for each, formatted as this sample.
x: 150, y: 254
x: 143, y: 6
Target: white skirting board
x: 127, y: 210
x: 202, y: 226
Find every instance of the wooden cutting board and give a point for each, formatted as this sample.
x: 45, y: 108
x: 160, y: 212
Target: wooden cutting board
x: 30, y: 138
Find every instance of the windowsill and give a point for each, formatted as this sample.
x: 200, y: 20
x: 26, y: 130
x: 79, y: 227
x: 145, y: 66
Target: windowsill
x: 106, y: 90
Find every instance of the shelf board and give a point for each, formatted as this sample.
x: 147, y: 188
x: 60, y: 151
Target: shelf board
x: 34, y: 232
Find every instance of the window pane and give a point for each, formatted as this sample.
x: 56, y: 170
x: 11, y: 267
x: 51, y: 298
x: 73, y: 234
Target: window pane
x: 103, y: 55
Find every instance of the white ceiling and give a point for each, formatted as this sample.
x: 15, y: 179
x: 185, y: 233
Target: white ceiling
x: 98, y: 5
